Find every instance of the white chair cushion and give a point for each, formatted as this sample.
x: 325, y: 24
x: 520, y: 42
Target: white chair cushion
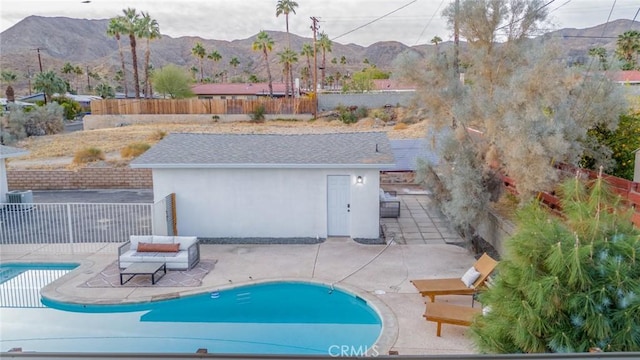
x: 470, y: 277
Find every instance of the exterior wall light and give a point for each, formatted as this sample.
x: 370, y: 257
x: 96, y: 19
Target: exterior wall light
x: 359, y: 180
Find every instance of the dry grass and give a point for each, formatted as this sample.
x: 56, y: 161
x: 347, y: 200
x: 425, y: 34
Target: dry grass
x: 57, y: 151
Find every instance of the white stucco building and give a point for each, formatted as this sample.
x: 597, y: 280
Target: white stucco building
x: 271, y: 186
x: 6, y: 152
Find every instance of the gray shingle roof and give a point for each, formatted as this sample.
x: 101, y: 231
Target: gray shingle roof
x: 407, y: 153
x: 8, y: 151
x: 369, y: 150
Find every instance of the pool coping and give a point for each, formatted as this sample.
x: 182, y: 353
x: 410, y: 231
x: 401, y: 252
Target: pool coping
x: 383, y: 344
x: 384, y: 284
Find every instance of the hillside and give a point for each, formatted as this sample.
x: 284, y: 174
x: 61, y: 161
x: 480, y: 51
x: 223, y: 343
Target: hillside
x: 84, y: 43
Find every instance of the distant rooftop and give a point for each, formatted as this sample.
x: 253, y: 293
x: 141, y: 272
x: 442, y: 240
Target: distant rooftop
x: 359, y: 150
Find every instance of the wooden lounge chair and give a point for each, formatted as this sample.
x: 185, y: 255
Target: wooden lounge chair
x: 443, y: 313
x: 455, y: 286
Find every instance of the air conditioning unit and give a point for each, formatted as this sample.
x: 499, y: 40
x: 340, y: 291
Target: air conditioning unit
x: 20, y: 200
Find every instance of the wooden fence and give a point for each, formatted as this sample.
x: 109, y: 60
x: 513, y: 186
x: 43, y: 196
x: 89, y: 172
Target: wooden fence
x: 199, y: 106
x: 628, y: 190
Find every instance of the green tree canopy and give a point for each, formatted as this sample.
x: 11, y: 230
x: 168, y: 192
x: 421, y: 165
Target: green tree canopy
x: 49, y: 83
x: 566, y: 285
x: 130, y: 23
x: 519, y: 111
x: 8, y: 78
x: 148, y: 30
x: 115, y: 29
x: 199, y: 51
x: 172, y: 81
x: 627, y: 48
x: 264, y: 43
x: 105, y: 91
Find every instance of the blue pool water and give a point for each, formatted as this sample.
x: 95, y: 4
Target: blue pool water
x: 269, y: 318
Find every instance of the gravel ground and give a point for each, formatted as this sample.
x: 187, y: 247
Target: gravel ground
x: 56, y: 151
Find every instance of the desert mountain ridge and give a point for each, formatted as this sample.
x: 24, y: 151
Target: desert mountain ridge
x: 84, y: 43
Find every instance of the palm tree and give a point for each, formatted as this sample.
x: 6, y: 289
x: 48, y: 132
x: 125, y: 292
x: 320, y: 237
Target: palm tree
x: 265, y: 43
x: 307, y: 50
x: 601, y: 54
x: 215, y: 56
x: 343, y: 60
x: 627, y: 46
x: 199, y: 52
x: 9, y: 77
x: 436, y: 40
x: 286, y: 7
x: 131, y: 26
x: 49, y: 83
x: 67, y: 69
x: 77, y: 70
x: 234, y: 62
x: 114, y: 29
x: 105, y: 91
x: 149, y: 30
x: 193, y: 70
x: 288, y: 57
x: 324, y: 43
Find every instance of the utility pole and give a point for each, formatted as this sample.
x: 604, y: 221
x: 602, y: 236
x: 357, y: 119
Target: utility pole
x: 314, y: 27
x: 88, y: 82
x: 39, y: 59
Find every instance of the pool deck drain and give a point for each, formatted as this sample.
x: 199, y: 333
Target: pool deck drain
x: 412, y: 257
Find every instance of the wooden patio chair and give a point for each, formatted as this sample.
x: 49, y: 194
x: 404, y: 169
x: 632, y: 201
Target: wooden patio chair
x: 455, y: 286
x: 443, y: 313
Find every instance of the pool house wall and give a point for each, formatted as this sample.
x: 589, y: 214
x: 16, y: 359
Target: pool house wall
x: 265, y: 202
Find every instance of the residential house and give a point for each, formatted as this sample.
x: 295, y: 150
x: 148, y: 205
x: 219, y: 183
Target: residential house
x: 237, y: 91
x: 271, y: 186
x: 6, y: 152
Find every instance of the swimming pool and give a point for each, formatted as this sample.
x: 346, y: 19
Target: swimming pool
x: 267, y: 318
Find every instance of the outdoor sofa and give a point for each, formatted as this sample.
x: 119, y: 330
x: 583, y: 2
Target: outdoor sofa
x: 389, y: 204
x: 178, y: 252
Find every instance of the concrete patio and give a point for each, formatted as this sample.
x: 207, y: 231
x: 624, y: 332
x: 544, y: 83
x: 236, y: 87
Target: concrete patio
x: 423, y: 247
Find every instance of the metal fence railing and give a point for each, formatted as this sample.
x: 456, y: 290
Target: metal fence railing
x: 75, y: 224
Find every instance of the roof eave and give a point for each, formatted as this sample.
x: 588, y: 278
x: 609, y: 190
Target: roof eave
x: 261, y: 166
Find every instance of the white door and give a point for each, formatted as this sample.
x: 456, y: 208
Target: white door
x: 338, y: 205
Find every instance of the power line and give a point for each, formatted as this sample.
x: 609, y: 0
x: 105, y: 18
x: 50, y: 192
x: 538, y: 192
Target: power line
x: 374, y: 20
x: 428, y: 23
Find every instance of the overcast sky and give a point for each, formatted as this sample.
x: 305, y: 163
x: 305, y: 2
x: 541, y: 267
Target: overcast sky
x: 414, y: 22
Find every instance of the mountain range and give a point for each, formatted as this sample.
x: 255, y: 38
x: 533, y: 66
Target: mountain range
x: 54, y: 41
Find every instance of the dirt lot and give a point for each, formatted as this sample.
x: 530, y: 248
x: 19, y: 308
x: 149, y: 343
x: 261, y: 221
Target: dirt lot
x: 57, y: 151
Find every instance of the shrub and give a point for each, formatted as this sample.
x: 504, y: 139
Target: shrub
x: 134, y: 150
x: 157, y: 135
x: 400, y: 126
x: 361, y: 112
x: 380, y: 114
x: 88, y: 155
x: 566, y: 284
x: 71, y: 107
x: 347, y: 114
x: 257, y: 115
x: 38, y: 121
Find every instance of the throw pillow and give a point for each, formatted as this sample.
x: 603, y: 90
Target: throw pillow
x: 149, y: 247
x: 470, y: 277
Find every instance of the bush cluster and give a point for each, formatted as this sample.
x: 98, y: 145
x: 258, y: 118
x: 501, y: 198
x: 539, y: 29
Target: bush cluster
x: 71, y: 107
x: 134, y: 150
x: 37, y: 121
x: 88, y: 155
x: 351, y: 114
x: 257, y: 115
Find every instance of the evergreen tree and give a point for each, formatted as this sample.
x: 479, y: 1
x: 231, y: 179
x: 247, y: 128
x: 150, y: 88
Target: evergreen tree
x: 566, y: 285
